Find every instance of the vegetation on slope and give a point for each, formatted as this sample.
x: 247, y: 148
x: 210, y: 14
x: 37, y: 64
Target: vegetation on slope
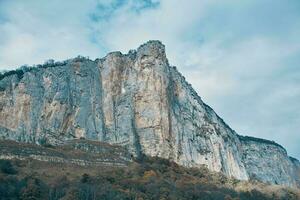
x: 147, y: 178
x: 48, y: 63
x: 79, y: 152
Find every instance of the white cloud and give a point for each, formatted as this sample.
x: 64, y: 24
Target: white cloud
x: 35, y: 32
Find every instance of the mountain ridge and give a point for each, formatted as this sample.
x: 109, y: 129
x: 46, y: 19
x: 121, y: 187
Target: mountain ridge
x: 137, y: 100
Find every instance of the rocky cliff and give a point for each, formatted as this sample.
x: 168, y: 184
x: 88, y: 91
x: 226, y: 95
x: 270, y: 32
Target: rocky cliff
x: 139, y: 101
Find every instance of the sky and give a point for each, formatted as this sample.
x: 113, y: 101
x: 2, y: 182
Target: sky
x: 242, y: 57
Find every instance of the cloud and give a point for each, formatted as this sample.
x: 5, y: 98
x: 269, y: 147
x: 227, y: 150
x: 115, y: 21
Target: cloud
x: 34, y: 32
x: 242, y: 57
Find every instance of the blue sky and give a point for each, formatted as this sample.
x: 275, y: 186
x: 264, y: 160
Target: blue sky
x: 242, y: 57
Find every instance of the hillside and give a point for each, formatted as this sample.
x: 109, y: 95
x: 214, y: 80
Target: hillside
x: 146, y: 178
x: 77, y: 152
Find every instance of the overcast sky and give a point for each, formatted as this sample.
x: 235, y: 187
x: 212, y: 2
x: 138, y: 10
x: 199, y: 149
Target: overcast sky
x: 242, y: 57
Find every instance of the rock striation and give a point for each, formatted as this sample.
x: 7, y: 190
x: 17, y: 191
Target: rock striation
x: 139, y: 101
x: 75, y: 152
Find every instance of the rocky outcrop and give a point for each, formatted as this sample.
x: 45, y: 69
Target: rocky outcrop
x: 136, y: 100
x: 296, y: 165
x: 75, y: 152
x: 267, y: 161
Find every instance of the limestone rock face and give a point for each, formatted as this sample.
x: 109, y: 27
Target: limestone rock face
x: 136, y: 100
x: 267, y: 161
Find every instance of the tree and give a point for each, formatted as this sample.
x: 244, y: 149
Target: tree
x: 6, y: 167
x: 31, y: 192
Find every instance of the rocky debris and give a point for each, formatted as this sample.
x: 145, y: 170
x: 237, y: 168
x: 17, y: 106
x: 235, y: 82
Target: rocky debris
x: 136, y: 100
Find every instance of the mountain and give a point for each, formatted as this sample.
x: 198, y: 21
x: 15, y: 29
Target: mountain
x: 136, y: 100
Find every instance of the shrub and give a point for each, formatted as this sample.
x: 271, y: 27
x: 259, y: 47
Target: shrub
x: 45, y: 143
x: 85, y: 178
x: 6, y: 167
x: 9, y: 188
x: 31, y: 192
